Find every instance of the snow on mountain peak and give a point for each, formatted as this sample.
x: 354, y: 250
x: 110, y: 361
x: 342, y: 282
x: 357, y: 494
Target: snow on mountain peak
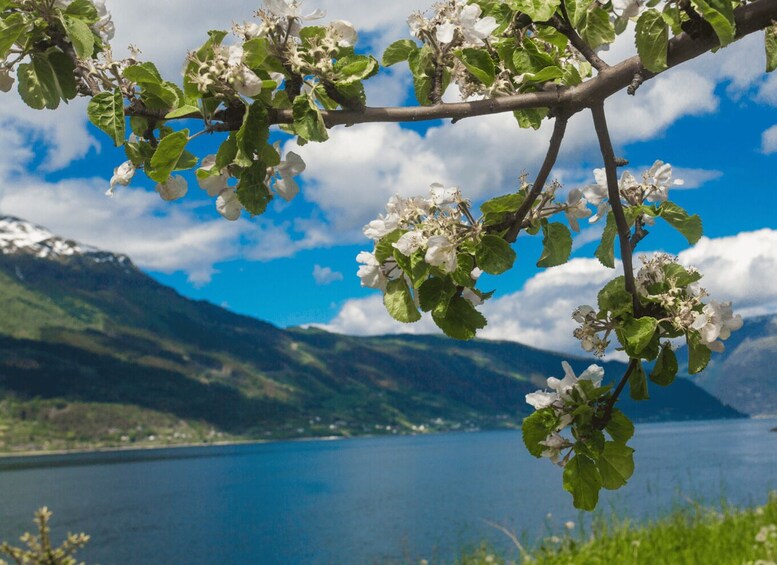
x: 20, y: 236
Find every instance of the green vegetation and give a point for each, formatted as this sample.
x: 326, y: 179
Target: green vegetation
x: 39, y: 550
x: 689, y: 536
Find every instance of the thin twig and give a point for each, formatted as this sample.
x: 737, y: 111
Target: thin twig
x: 614, y: 197
x: 515, y: 222
x: 605, y: 419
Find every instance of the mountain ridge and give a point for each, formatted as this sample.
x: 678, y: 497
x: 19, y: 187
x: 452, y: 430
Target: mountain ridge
x: 97, y: 353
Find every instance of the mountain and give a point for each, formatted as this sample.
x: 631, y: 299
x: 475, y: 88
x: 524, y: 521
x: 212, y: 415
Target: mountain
x: 94, y: 352
x: 744, y: 375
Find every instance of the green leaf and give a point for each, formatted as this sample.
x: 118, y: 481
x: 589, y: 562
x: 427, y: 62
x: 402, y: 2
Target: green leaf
x: 698, y: 355
x: 537, y: 10
x: 500, y: 204
x: 183, y: 111
x: 606, y: 250
x: 64, y: 71
x: 582, y: 479
x: 681, y: 275
x: 353, y: 68
x: 308, y: 121
x: 434, y: 291
x: 398, y: 51
x: 637, y: 334
x: 531, y: 117
x: 462, y: 276
x: 11, y: 29
x: 596, y: 29
x: 80, y: 35
x: 652, y: 40
x: 385, y: 247
x: 720, y: 15
x: 689, y: 226
x: 414, y: 266
x: 399, y: 302
x: 770, y: 43
x: 638, y: 386
x: 557, y: 245
x: 252, y: 135
x: 479, y: 63
x: 106, y: 111
x: 620, y: 428
x: 576, y: 10
x: 38, y: 85
x: 143, y: 73
x: 494, y: 255
x: 616, y: 465
x: 614, y: 298
x: 255, y: 52
x: 536, y: 428
x: 665, y: 369
x: 167, y: 154
x: 544, y: 75
x: 252, y: 192
x: 84, y: 10
x: 226, y: 153
x: 460, y: 320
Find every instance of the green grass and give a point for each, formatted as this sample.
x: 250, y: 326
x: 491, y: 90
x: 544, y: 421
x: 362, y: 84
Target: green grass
x: 692, y: 536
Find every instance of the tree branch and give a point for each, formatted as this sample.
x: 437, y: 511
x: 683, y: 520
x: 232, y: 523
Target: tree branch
x: 515, y: 222
x: 605, y: 419
x: 750, y: 18
x: 614, y: 197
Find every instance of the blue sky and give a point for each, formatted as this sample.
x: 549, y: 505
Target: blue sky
x: 709, y: 119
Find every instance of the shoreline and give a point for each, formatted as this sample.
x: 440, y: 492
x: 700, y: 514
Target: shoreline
x: 5, y: 456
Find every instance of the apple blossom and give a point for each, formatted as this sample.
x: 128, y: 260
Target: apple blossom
x: 441, y: 252
x: 173, y: 188
x: 229, y: 206
x: 122, y: 175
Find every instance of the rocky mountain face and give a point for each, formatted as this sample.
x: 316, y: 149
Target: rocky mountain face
x: 93, y: 352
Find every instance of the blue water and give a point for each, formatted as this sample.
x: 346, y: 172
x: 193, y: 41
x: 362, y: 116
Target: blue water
x: 361, y: 501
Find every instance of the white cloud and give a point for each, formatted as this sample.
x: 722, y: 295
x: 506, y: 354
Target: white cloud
x: 157, y: 235
x: 325, y: 275
x: 769, y: 140
x: 740, y: 268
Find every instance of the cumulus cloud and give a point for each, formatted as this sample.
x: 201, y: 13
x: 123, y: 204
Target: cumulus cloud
x: 741, y: 268
x: 769, y: 141
x: 157, y: 235
x: 325, y: 275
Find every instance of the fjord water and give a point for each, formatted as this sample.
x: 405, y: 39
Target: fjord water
x: 361, y: 501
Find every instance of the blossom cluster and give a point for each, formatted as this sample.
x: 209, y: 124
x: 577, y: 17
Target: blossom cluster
x: 227, y: 72
x: 216, y: 182
x: 436, y: 226
x: 675, y: 300
x: 565, y: 396
x: 280, y: 22
x: 654, y: 188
